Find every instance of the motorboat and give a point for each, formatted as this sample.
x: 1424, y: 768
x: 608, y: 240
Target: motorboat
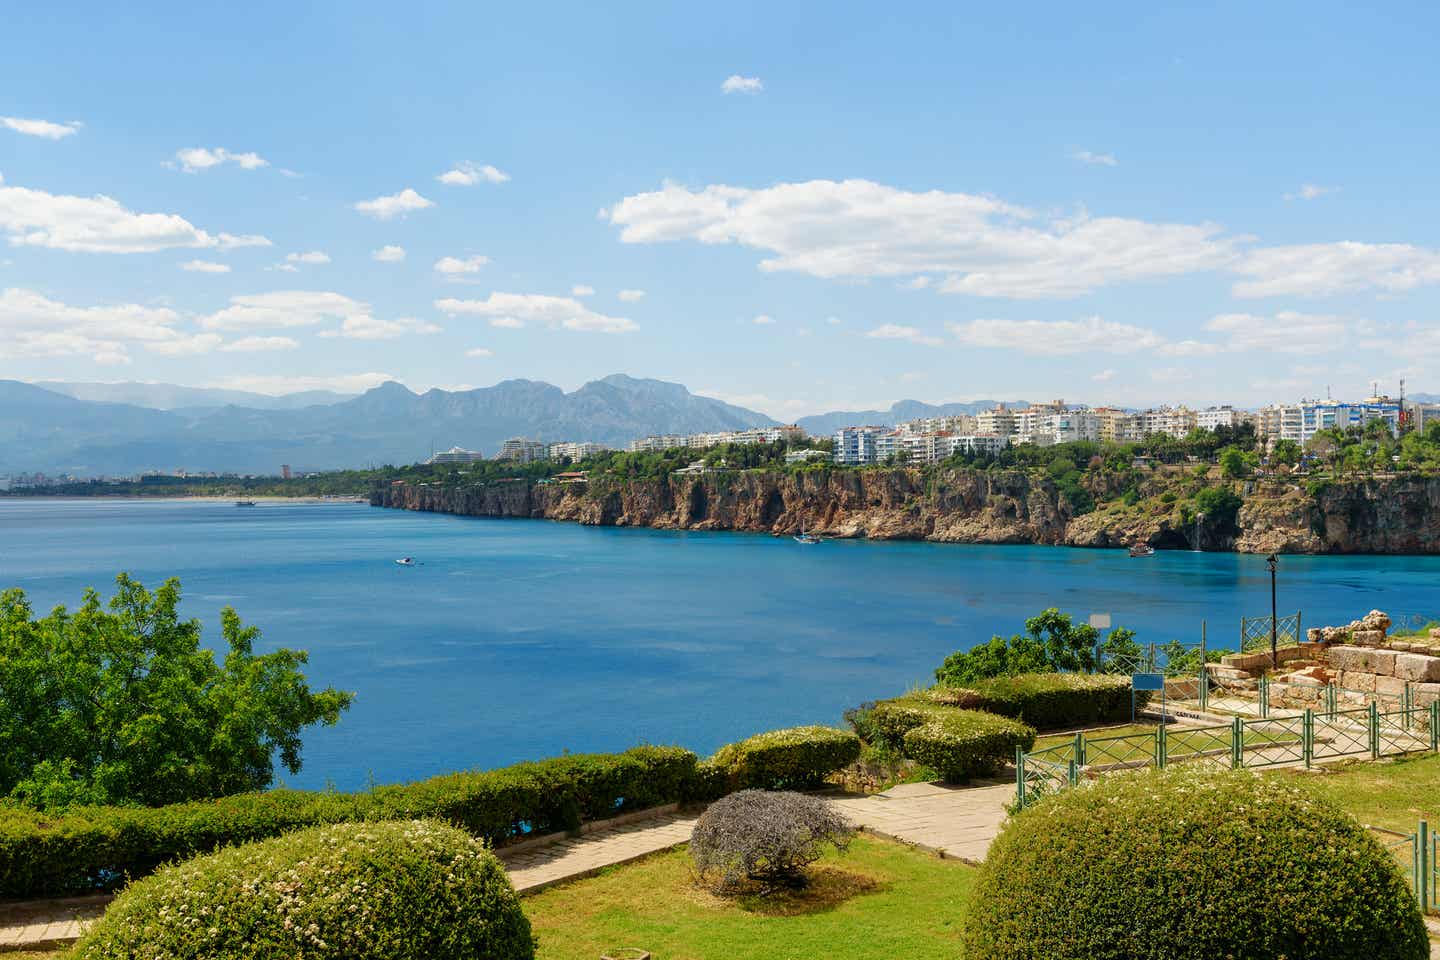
x: 406, y: 561
x: 1142, y: 550
x: 244, y: 503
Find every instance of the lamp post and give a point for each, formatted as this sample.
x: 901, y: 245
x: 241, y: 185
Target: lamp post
x: 1272, y: 562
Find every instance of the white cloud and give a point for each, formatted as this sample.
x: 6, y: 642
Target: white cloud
x: 631, y: 296
x: 1095, y: 159
x: 582, y: 290
x: 283, y: 309
x: 278, y: 385
x: 983, y: 246
x: 479, y: 352
x: 312, y: 257
x: 33, y: 325
x: 1285, y: 332
x: 41, y: 128
x: 204, y: 266
x: 468, y: 174
x: 896, y: 331
x: 1189, y: 348
x: 1104, y: 376
x: 457, y: 266
x: 1056, y: 338
x: 260, y: 344
x: 1311, y: 191
x: 195, y: 159
x: 917, y: 283
x: 285, y: 268
x: 833, y: 321
x: 518, y: 309
x: 187, y: 345
x: 738, y: 84
x: 365, y: 327
x: 763, y: 319
x: 34, y: 218
x: 394, y: 205
x: 388, y: 254
x: 1323, y: 269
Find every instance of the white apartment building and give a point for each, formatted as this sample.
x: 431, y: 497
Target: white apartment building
x: 523, y: 451
x: 456, y: 455
x: 699, y: 441
x: 575, y: 451
x: 1000, y: 420
x: 1213, y: 418
x: 805, y: 456
x: 1301, y: 421
x: 856, y: 445
x: 1421, y: 415
x: 962, y: 423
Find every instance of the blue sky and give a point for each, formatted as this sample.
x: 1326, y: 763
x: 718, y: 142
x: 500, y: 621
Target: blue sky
x: 1233, y: 203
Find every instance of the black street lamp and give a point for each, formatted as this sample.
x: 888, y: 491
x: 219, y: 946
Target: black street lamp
x: 1273, y: 561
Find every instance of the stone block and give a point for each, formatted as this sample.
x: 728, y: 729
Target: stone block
x: 1315, y: 635
x: 1382, y: 662
x: 1391, y: 685
x: 1417, y: 667
x: 1402, y: 645
x: 1368, y: 638
x: 1375, y: 620
x: 1348, y: 658
x: 1360, y: 680
x: 1426, y: 693
x: 1435, y: 633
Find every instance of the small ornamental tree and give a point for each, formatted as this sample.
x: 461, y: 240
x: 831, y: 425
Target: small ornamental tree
x: 118, y: 703
x: 1052, y: 641
x: 765, y: 838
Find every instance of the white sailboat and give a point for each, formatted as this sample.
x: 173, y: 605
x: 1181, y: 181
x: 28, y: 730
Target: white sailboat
x: 802, y: 536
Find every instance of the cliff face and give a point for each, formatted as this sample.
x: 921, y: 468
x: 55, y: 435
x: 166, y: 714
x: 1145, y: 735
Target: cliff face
x: 958, y: 506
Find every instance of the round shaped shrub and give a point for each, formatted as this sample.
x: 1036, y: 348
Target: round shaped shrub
x: 1188, y: 865
x: 960, y: 744
x: 764, y: 837
x: 404, y: 890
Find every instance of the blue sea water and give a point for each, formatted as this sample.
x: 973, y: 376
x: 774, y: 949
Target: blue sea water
x: 519, y: 639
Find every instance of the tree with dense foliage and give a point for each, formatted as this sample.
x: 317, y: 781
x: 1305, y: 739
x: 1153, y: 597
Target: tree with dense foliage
x: 1052, y: 641
x: 118, y: 703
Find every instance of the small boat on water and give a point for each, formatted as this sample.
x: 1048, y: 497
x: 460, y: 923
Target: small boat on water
x: 803, y: 537
x: 244, y: 503
x: 406, y: 561
x: 1142, y: 550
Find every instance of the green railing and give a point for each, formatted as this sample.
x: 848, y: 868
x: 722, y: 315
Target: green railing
x: 1255, y: 632
x: 1417, y: 854
x: 1297, y: 739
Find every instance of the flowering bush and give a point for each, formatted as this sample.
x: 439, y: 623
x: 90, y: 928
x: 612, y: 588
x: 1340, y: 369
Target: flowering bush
x: 1047, y: 700
x: 1188, y: 865
x: 766, y: 837
x: 404, y: 890
x: 960, y: 744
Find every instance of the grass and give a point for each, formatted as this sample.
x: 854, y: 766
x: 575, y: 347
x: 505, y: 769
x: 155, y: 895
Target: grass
x: 1393, y: 794
x: 880, y: 900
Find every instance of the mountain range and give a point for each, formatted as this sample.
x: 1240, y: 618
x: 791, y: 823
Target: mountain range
x: 46, y: 430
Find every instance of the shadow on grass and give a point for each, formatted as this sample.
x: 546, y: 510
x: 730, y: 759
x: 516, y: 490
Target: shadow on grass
x: 828, y: 887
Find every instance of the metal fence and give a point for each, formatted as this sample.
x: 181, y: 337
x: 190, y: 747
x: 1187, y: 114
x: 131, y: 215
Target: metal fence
x: 1417, y: 853
x: 1255, y: 632
x: 1301, y: 739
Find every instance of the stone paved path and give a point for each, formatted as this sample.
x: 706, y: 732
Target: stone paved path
x: 955, y: 822
x: 42, y: 924
x: 539, y: 867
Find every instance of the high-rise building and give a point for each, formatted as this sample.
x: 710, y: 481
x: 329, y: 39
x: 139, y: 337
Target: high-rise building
x: 285, y: 471
x: 522, y: 450
x: 456, y: 455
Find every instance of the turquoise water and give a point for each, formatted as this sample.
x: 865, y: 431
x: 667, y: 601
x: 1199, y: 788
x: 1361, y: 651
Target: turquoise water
x: 519, y: 639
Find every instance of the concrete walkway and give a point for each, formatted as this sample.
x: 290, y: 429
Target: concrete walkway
x: 956, y: 822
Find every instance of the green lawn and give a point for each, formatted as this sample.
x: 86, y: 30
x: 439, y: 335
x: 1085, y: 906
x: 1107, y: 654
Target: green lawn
x: 880, y: 900
x: 1388, y: 793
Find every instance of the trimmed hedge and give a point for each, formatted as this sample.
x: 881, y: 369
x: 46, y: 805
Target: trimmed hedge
x: 1188, y: 865
x: 967, y: 743
x: 796, y: 758
x: 1047, y: 700
x: 404, y: 890
x: 90, y: 848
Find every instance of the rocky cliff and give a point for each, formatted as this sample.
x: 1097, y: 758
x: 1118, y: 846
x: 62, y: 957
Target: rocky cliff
x: 958, y: 506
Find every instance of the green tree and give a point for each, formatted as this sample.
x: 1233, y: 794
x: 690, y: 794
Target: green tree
x: 1286, y: 452
x: 1052, y: 642
x: 118, y: 703
x: 1233, y: 463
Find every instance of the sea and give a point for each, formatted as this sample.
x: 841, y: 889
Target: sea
x: 511, y: 640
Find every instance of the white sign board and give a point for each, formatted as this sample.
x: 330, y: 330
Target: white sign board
x: 1100, y: 621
